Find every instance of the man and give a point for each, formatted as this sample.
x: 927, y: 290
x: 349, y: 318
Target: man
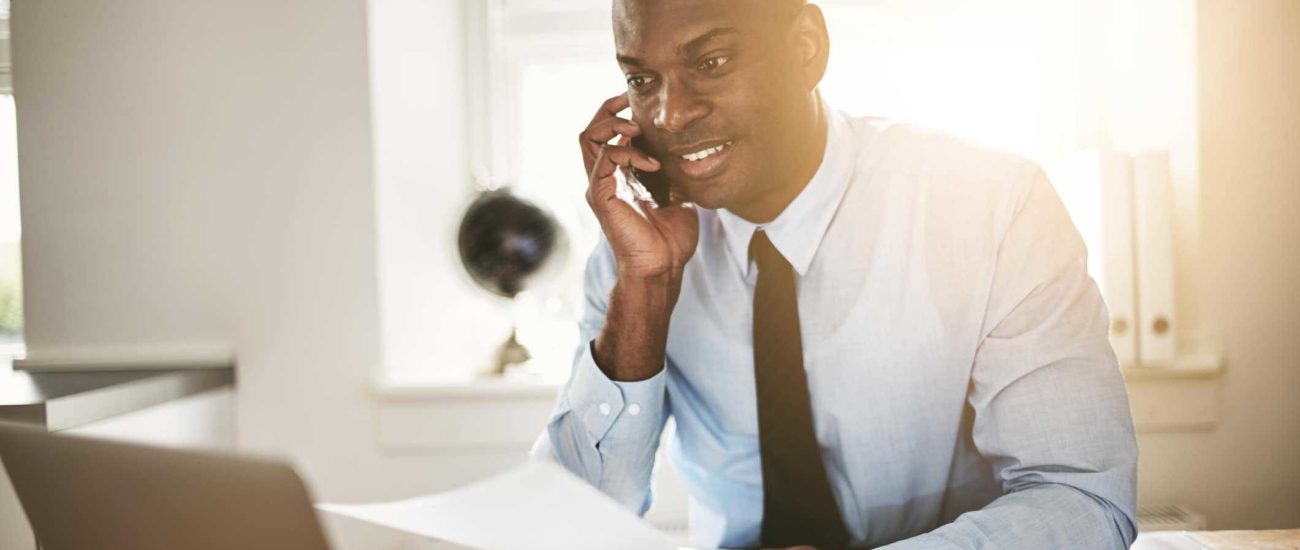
x: 866, y: 333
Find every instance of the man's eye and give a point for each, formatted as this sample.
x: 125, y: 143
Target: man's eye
x: 637, y: 81
x: 713, y: 63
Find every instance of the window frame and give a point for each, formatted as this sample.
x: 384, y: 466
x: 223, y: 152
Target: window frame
x: 9, y: 350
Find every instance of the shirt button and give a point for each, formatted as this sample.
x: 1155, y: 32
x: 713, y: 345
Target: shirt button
x: 604, y: 409
x: 634, y: 409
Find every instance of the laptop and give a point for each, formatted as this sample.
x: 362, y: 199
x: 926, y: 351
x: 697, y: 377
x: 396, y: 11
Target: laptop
x: 82, y: 494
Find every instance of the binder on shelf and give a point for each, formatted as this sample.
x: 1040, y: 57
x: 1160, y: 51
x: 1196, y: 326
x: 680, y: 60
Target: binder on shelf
x: 1153, y: 208
x: 1115, y: 179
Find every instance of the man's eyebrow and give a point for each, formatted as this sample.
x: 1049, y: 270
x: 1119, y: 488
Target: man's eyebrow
x: 690, y: 45
x: 700, y: 40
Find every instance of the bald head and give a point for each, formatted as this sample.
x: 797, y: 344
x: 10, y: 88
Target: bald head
x: 770, y: 10
x: 754, y: 4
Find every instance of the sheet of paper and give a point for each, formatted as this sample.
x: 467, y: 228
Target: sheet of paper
x: 536, y: 506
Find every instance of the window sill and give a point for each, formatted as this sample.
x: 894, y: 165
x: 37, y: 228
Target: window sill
x: 1190, y: 367
x: 1180, y: 397
x: 475, y: 388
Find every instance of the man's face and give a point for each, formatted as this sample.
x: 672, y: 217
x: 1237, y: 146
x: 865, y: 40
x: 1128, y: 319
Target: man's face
x: 718, y: 92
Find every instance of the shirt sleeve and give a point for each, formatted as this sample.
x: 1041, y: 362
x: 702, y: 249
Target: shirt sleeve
x: 1051, y: 410
x: 604, y: 431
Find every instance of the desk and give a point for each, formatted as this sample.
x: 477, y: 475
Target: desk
x: 349, y: 534
x: 148, y: 406
x: 1219, y: 540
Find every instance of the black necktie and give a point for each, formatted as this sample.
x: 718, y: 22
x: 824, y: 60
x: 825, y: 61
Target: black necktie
x: 798, y: 506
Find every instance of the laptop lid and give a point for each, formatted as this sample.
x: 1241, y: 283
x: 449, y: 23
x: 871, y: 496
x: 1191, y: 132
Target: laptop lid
x: 83, y: 493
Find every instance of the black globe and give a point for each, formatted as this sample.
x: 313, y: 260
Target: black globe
x: 504, y: 240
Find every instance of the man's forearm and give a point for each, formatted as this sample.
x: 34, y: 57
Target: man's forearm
x: 631, y: 346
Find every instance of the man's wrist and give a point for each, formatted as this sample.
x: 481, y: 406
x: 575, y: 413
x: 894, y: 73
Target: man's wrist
x: 667, y: 278
x: 621, y: 366
x: 631, y: 347
x: 650, y: 291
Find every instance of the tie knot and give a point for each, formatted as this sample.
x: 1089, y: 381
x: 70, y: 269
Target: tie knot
x: 762, y: 251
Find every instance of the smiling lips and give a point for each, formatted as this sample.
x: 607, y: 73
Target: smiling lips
x: 707, y: 161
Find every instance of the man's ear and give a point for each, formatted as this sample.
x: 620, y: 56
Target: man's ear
x: 812, y: 44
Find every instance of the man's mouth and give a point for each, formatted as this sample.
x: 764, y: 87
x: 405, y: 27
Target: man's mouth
x: 704, y: 160
x: 705, y: 153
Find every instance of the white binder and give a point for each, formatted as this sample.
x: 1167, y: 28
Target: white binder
x: 1115, y: 179
x: 1153, y: 207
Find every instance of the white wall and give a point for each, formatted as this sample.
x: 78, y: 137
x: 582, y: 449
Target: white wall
x: 1245, y: 473
x: 201, y: 173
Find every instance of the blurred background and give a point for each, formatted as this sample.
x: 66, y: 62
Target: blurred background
x: 280, y: 188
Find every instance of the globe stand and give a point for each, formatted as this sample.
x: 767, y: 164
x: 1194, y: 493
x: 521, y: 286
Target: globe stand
x: 510, y: 354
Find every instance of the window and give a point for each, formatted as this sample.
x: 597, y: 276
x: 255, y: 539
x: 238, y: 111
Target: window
x: 1048, y: 79
x: 11, y: 295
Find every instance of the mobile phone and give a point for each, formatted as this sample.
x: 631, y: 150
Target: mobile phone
x: 656, y: 183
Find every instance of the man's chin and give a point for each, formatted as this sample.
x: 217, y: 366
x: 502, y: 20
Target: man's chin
x: 705, y: 200
x: 712, y: 195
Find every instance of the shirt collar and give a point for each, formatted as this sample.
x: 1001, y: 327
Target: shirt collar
x: 798, y: 230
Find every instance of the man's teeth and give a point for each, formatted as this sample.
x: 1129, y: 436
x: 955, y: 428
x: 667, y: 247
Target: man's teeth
x: 701, y: 155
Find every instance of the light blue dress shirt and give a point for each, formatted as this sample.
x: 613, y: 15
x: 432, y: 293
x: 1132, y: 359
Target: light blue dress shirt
x: 964, y: 391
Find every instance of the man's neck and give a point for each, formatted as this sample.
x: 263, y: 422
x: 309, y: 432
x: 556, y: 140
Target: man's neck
x: 808, y: 160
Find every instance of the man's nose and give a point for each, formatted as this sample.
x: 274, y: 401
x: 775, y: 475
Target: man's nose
x: 679, y: 106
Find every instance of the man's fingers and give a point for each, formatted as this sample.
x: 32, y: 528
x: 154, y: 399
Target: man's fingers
x: 611, y: 107
x: 602, y: 188
x: 612, y: 156
x: 602, y: 132
x: 602, y: 196
x: 605, y: 130
x: 604, y: 126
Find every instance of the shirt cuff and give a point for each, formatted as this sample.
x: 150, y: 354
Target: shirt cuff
x: 605, y: 405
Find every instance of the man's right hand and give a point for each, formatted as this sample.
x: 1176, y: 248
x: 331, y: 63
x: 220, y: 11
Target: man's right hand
x: 651, y: 248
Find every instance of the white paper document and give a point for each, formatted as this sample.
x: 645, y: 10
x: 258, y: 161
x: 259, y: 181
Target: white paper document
x: 536, y: 506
